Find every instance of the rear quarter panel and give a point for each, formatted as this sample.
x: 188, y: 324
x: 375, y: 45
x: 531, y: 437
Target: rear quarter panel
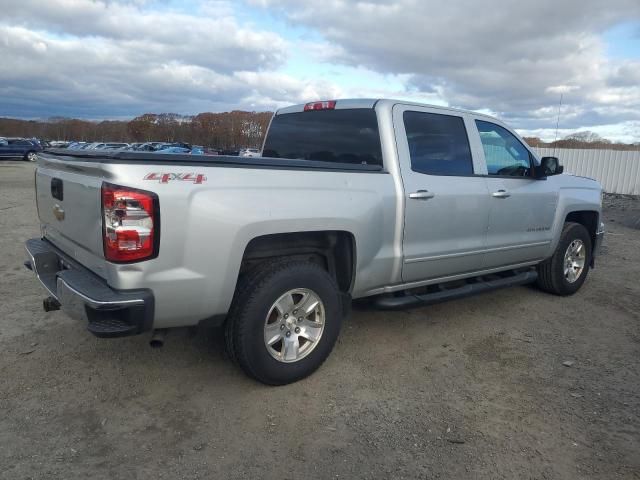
x: 206, y: 227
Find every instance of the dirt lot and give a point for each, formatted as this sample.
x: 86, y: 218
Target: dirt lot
x: 474, y: 388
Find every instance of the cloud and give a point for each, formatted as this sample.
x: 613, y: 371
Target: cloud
x: 97, y: 59
x: 510, y: 57
x: 118, y: 58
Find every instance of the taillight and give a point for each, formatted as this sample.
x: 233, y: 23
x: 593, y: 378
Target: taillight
x: 130, y: 224
x: 326, y: 105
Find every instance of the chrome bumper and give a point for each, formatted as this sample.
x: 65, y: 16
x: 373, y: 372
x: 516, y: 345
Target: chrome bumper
x: 84, y: 296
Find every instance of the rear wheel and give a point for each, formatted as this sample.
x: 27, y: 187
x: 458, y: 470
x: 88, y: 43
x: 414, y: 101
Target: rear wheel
x: 566, y: 271
x: 284, y: 321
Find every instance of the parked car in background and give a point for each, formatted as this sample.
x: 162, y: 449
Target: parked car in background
x: 173, y: 149
x: 19, y: 148
x: 134, y: 146
x: 149, y: 146
x: 76, y: 145
x: 210, y: 151
x: 249, y: 152
x: 92, y: 146
x: 113, y: 146
x: 230, y: 152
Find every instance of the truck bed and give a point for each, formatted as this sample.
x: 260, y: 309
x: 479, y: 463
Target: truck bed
x: 210, y: 209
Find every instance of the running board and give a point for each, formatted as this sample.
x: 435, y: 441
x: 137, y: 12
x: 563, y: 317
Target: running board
x: 478, y: 286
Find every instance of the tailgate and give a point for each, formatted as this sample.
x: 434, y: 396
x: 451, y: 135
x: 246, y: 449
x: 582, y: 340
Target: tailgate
x: 70, y: 210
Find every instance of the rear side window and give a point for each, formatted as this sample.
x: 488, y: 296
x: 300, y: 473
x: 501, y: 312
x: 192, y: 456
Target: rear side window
x: 438, y: 144
x: 341, y: 136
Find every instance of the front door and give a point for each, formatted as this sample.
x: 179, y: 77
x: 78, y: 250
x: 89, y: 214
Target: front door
x: 522, y: 207
x: 446, y: 205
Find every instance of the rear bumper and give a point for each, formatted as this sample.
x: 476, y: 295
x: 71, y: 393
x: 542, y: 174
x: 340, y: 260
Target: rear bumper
x: 84, y: 296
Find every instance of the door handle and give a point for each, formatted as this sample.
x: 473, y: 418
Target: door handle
x: 422, y: 195
x: 501, y: 194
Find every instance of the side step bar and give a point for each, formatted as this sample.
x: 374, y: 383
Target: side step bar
x: 410, y: 301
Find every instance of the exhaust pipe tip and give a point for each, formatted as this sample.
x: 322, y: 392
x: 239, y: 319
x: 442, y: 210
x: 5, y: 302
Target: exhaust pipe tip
x: 157, y: 338
x: 50, y: 304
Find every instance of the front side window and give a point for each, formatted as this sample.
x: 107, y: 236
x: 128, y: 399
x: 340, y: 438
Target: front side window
x: 438, y: 144
x: 504, y: 153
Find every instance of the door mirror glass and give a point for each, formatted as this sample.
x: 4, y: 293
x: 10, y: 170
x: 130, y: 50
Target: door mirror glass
x: 549, y: 166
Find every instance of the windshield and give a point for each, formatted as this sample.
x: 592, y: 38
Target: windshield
x: 341, y: 136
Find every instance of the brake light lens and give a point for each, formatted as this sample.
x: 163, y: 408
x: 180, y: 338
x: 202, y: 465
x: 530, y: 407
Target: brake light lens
x: 326, y: 105
x: 130, y: 224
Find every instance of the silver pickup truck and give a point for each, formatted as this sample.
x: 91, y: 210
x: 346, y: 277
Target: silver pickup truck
x: 405, y: 203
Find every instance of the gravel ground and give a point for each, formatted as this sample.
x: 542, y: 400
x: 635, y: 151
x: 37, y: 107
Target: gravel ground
x: 474, y: 388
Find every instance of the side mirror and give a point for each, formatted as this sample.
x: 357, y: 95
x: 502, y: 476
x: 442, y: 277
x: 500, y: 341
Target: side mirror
x: 549, y: 166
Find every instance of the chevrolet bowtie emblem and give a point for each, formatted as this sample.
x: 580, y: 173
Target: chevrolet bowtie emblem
x: 58, y: 211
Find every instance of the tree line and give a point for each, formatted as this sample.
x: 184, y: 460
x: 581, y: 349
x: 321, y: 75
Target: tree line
x: 583, y: 140
x: 224, y: 130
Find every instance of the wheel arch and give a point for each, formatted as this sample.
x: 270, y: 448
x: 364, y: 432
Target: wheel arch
x: 588, y: 219
x: 334, y: 250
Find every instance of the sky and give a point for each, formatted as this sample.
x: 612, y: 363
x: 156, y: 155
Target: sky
x: 117, y: 59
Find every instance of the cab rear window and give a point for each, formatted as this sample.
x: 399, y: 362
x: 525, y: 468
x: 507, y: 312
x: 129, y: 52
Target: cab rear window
x: 340, y: 136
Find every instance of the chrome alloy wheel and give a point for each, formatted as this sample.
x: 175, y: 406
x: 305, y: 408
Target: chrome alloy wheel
x: 32, y: 157
x: 574, y: 260
x: 294, y: 325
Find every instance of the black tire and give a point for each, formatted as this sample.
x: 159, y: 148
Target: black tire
x: 26, y: 156
x: 551, y: 276
x: 256, y: 293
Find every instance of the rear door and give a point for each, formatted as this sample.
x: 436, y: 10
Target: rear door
x: 20, y: 147
x: 446, y: 204
x: 522, y: 207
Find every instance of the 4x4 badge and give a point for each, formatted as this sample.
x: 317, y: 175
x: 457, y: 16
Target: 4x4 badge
x: 196, y: 178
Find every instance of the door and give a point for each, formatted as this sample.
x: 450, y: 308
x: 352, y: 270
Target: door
x: 522, y: 207
x: 446, y: 206
x: 5, y: 150
x: 20, y: 147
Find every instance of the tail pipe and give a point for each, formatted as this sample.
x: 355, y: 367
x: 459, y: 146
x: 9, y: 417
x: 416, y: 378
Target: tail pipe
x: 157, y: 338
x: 50, y: 304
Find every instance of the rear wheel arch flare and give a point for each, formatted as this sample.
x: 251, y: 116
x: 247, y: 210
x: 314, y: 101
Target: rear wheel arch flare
x: 334, y: 250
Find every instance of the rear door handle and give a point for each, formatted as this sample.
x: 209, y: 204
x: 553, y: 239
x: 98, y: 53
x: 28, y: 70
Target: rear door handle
x: 501, y: 194
x: 422, y: 195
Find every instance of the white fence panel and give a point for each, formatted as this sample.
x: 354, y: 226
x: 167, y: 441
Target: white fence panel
x: 618, y: 171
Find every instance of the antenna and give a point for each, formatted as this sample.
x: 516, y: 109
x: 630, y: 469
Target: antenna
x: 557, y: 124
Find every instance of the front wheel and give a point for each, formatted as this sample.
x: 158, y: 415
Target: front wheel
x: 284, y: 321
x: 566, y: 271
x: 30, y: 157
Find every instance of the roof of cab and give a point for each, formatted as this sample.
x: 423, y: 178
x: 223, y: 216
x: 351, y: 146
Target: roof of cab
x: 372, y: 102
